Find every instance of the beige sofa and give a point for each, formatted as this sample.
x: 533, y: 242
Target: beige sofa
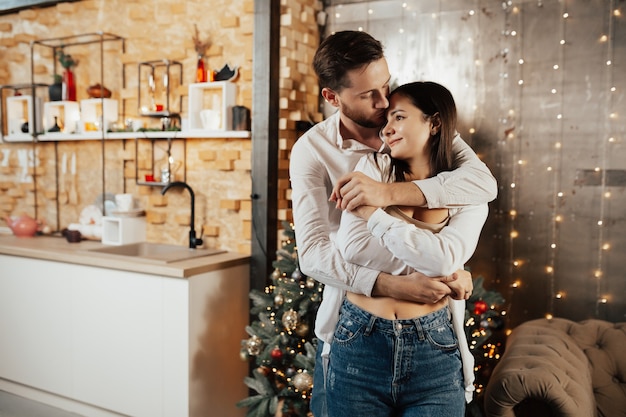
x: 560, y: 368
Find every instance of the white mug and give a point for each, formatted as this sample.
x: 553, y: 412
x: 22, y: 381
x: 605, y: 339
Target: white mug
x: 124, y: 202
x: 210, y: 119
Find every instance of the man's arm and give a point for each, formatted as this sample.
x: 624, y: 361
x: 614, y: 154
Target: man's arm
x: 318, y: 256
x: 471, y: 183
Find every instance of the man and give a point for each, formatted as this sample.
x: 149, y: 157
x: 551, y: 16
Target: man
x: 354, y: 77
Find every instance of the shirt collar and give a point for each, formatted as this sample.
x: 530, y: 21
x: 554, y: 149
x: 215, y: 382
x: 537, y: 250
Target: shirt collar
x: 351, y: 143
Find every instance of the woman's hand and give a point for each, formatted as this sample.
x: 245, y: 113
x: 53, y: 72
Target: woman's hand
x: 364, y: 212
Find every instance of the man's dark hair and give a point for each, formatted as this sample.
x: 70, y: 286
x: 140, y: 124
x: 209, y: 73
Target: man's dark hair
x: 342, y: 52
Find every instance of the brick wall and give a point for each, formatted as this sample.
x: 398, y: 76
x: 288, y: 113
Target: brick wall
x: 217, y: 169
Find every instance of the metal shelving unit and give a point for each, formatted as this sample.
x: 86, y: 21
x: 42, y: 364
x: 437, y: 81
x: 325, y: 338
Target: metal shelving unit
x: 56, y: 44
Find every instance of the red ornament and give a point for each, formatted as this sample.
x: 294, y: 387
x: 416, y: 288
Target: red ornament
x: 276, y: 354
x: 480, y: 307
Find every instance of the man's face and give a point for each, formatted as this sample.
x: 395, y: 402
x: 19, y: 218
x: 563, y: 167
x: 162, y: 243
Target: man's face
x: 365, y: 101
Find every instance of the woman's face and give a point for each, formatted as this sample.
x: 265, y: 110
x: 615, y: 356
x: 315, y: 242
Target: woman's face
x: 407, y: 130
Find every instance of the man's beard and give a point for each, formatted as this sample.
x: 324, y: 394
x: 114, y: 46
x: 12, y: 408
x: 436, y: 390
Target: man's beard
x: 361, y: 119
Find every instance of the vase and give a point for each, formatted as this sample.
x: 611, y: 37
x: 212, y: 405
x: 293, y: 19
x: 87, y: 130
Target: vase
x: 55, y: 91
x: 201, y: 75
x: 69, y: 85
x: 56, y: 127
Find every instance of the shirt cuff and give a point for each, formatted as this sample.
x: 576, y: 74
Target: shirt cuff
x: 432, y: 190
x: 365, y: 280
x: 379, y: 222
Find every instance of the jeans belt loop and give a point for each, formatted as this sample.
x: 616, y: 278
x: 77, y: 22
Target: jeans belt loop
x: 370, y: 325
x: 420, y: 331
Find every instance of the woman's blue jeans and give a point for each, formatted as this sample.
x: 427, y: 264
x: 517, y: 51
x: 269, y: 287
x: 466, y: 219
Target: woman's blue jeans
x: 399, y: 368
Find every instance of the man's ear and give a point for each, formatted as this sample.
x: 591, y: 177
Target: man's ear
x: 330, y: 96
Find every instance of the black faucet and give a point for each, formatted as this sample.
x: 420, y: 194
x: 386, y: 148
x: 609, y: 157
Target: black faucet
x: 193, y: 240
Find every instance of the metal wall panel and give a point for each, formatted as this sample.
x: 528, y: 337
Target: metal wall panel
x: 540, y: 89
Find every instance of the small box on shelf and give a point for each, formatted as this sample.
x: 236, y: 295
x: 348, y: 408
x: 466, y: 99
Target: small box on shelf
x: 61, y: 117
x: 98, y: 113
x: 210, y: 105
x: 22, y: 123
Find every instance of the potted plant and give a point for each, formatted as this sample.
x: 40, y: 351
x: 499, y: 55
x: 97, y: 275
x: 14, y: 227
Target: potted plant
x: 55, y: 90
x: 69, y: 85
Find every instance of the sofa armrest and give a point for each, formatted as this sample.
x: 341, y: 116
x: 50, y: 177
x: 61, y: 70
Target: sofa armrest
x: 542, y: 364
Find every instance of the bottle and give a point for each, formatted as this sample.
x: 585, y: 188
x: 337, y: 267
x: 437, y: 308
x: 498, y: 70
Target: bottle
x: 56, y: 127
x: 69, y: 85
x: 201, y: 75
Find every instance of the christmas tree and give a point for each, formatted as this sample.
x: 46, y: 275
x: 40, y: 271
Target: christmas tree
x: 483, y: 321
x: 282, y: 343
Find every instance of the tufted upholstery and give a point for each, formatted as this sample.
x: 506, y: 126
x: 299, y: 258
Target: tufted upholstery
x: 560, y: 368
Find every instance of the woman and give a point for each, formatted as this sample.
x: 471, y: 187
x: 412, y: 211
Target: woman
x: 390, y: 357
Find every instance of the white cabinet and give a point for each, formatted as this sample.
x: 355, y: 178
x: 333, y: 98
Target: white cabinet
x: 19, y: 114
x: 104, y: 342
x: 97, y: 114
x: 63, y: 114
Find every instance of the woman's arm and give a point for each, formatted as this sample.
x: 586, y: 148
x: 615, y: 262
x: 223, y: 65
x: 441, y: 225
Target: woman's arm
x: 443, y: 252
x: 390, y: 244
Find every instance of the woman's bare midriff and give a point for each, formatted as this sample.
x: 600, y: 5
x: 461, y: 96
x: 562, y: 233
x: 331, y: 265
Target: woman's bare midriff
x: 392, y: 309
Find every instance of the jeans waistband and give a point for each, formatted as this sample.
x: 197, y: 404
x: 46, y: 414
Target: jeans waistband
x: 424, y: 323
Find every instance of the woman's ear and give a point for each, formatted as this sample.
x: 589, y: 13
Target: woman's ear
x: 435, y: 124
x: 330, y: 96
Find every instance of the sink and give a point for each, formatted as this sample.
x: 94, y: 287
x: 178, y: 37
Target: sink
x: 154, y: 252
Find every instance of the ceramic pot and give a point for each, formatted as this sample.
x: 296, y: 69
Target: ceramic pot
x: 22, y: 226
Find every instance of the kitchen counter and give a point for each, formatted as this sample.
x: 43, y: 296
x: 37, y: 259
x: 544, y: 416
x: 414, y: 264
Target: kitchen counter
x: 58, y: 249
x: 106, y: 336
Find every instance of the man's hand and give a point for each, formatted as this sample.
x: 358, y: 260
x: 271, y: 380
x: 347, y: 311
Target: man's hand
x: 357, y: 189
x: 462, y: 286
x: 415, y: 287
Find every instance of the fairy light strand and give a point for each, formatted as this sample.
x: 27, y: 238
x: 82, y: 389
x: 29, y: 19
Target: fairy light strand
x: 513, y: 20
x: 556, y: 168
x: 608, y: 125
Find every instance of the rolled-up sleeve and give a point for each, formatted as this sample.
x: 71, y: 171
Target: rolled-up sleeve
x: 471, y: 183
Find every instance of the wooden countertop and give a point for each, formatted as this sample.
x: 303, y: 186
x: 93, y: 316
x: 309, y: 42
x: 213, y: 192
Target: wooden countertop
x: 60, y: 250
